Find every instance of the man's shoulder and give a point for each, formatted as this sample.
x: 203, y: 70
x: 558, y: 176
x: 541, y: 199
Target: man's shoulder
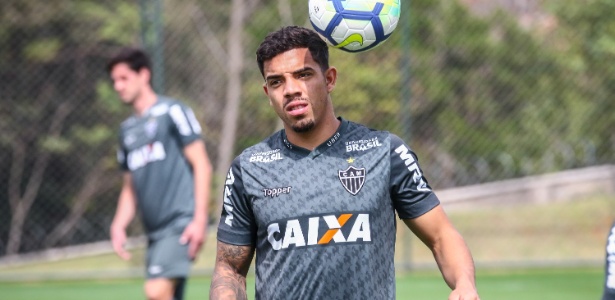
x: 163, y: 104
x: 128, y: 122
x: 166, y: 100
x: 360, y: 130
x: 270, y: 144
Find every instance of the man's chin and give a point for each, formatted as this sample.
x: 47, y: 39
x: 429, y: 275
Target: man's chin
x: 303, y: 126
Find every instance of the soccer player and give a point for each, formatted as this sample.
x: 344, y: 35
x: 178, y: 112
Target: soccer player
x: 316, y: 201
x: 609, y: 280
x: 167, y: 177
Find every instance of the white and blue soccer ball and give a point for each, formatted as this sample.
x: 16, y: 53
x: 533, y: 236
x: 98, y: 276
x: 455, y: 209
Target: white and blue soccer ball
x: 354, y: 25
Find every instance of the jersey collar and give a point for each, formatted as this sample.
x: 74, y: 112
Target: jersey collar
x: 336, y: 137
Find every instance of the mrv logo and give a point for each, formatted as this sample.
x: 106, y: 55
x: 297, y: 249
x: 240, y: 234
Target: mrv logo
x: 413, y: 167
x: 320, y: 230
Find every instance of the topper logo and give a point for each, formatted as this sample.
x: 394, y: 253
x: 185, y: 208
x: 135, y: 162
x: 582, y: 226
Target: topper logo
x: 276, y: 191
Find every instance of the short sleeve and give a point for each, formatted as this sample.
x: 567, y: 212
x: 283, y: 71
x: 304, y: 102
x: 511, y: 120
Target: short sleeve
x: 185, y: 123
x: 237, y: 226
x: 411, y: 194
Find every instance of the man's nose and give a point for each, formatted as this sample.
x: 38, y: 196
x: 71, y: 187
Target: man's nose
x: 292, y: 87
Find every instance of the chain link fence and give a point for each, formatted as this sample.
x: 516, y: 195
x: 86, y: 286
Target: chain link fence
x: 483, y: 91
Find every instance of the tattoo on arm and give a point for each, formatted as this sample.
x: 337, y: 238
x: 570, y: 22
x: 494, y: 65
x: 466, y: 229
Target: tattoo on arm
x: 232, y: 265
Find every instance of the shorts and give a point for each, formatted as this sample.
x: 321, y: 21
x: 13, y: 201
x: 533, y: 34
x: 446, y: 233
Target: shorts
x: 167, y: 258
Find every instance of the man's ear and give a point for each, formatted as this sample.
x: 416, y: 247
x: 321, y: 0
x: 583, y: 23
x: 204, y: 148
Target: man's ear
x: 331, y: 78
x: 266, y: 90
x: 147, y: 75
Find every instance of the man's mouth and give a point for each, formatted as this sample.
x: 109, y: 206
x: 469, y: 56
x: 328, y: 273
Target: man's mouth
x: 296, y: 108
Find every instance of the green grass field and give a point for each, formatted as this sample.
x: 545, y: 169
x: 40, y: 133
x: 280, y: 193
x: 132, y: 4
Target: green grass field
x: 543, y: 234
x: 526, y: 284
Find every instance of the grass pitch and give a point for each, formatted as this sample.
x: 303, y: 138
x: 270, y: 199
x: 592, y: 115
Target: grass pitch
x: 527, y: 284
x: 553, y: 232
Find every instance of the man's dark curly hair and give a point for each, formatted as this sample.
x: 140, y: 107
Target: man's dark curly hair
x: 292, y: 37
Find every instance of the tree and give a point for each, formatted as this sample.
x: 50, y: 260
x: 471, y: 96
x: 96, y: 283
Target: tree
x: 49, y: 127
x: 587, y: 39
x: 487, y: 95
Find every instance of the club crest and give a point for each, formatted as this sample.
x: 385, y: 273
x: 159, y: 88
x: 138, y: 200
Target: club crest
x: 352, y: 179
x: 151, y: 127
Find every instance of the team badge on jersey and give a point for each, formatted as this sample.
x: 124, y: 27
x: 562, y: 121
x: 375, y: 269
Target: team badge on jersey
x: 352, y: 179
x: 129, y: 139
x: 151, y: 126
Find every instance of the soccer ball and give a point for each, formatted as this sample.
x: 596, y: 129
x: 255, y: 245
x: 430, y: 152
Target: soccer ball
x: 354, y: 25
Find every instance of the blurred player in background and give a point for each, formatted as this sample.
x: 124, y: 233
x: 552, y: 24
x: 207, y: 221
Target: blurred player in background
x: 609, y: 280
x: 316, y: 201
x: 167, y: 176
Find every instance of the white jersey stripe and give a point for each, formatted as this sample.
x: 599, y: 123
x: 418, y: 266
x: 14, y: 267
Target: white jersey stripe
x: 179, y: 118
x: 193, y: 121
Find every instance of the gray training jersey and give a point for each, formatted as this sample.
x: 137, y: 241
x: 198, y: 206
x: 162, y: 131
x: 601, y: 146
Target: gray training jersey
x: 151, y: 148
x: 608, y: 292
x: 323, y: 221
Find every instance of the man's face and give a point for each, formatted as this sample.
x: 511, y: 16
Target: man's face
x: 298, y: 89
x: 128, y: 83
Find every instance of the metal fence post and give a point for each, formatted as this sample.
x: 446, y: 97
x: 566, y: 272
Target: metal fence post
x: 153, y: 40
x: 406, y: 93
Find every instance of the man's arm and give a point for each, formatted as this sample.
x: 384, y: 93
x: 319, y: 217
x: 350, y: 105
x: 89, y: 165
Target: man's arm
x: 196, y: 232
x: 449, y: 250
x: 231, y: 268
x: 125, y: 212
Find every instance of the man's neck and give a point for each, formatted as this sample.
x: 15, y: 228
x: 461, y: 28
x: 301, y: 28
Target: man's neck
x: 144, y: 102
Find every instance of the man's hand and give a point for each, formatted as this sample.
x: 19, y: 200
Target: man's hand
x: 195, y: 235
x: 118, y: 240
x: 464, y: 293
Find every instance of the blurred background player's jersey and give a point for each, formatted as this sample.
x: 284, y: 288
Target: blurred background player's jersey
x: 151, y: 148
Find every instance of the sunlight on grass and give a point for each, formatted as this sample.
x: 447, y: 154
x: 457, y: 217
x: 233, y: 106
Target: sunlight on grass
x: 563, y: 231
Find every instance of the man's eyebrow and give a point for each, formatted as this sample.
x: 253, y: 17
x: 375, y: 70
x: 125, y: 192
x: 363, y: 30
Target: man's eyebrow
x: 272, y: 77
x: 275, y: 76
x: 303, y: 70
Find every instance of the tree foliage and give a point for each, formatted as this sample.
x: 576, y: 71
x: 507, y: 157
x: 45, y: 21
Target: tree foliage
x: 484, y: 100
